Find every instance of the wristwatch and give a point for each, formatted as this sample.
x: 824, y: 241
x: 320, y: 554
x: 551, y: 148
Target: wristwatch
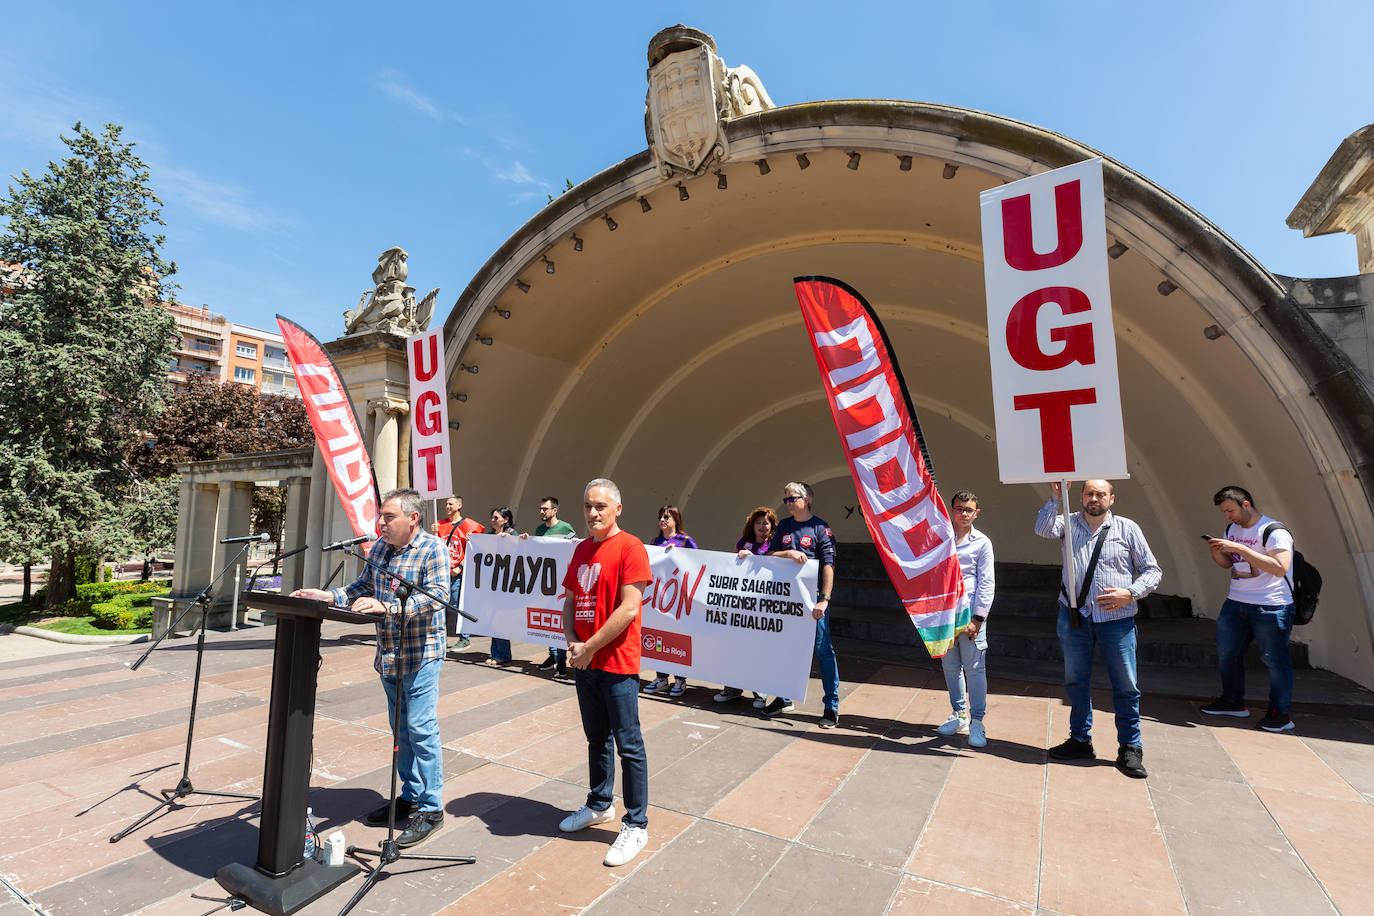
x: 822, y: 596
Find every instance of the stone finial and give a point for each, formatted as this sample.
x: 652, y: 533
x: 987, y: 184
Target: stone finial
x: 691, y: 93
x: 390, y: 307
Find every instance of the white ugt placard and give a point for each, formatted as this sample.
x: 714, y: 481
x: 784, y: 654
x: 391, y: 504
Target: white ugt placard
x: 1056, y: 397
x: 431, y: 466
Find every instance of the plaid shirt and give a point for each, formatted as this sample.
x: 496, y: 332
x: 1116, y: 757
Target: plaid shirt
x: 423, y: 561
x: 1126, y: 561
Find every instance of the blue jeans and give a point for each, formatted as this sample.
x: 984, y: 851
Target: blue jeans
x: 1115, y: 639
x: 420, y: 762
x: 1270, y: 625
x: 965, y: 664
x: 830, y: 668
x: 500, y: 649
x: 609, y: 704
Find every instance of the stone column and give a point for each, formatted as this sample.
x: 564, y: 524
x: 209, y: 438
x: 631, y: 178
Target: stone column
x: 195, y: 552
x: 296, y: 533
x: 235, y: 515
x: 321, y: 488
x: 386, y: 444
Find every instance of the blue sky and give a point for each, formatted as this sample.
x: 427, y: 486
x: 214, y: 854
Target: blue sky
x: 292, y: 143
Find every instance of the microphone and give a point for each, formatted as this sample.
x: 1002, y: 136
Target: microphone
x: 291, y: 553
x: 264, y: 537
x: 340, y: 545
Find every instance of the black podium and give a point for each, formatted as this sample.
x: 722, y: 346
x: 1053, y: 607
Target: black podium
x: 283, y: 880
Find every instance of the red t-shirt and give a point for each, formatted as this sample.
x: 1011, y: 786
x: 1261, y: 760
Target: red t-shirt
x: 594, y: 578
x: 458, y: 542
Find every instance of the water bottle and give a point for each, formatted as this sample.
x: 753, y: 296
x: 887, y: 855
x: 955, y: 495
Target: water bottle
x: 311, y: 837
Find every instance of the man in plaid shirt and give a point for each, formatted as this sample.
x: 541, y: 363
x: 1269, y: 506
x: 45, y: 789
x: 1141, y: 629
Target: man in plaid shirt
x: 407, y: 551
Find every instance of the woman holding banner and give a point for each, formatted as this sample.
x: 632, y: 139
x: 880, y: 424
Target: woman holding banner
x: 758, y: 531
x: 502, y: 523
x: 670, y: 534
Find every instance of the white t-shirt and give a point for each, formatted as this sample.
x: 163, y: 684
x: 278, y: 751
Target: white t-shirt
x: 1249, y: 585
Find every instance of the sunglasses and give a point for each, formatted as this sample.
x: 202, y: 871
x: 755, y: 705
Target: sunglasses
x: 792, y: 499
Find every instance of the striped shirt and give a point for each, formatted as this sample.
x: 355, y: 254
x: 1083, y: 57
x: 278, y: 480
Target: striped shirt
x: 1126, y: 560
x: 976, y: 566
x: 423, y: 561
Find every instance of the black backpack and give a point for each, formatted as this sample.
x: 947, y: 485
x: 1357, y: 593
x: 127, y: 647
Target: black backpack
x: 1304, y: 581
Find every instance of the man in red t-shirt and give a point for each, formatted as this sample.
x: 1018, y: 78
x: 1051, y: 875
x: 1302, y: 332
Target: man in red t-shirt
x: 605, y: 583
x: 454, y: 531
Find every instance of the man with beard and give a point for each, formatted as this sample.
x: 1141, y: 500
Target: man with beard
x: 1125, y: 572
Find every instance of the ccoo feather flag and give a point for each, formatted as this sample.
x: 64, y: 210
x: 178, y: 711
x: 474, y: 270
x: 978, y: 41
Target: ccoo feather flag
x: 887, y: 458
x: 335, y: 425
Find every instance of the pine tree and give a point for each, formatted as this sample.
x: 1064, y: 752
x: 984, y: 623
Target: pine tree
x: 84, y: 344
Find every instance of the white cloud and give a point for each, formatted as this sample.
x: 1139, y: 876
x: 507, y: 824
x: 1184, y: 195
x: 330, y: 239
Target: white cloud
x: 221, y: 204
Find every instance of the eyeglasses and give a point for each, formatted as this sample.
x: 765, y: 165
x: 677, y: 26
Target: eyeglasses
x: 964, y: 510
x: 792, y: 499
x: 664, y: 515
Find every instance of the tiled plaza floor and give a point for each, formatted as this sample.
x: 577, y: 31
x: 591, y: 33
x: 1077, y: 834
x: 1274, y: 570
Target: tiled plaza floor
x: 748, y: 816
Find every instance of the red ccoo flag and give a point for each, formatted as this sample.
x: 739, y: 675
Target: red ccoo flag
x: 335, y: 426
x: 882, y: 442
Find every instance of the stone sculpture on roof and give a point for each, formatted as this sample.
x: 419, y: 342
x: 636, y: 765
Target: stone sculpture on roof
x: 390, y: 307
x: 691, y: 92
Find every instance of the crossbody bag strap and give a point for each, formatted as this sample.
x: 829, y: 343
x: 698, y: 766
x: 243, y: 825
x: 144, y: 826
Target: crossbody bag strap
x: 1092, y: 565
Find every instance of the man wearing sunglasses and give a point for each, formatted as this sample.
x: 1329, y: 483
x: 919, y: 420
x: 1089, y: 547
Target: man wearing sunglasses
x: 807, y: 537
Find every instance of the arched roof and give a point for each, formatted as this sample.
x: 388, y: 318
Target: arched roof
x: 667, y: 350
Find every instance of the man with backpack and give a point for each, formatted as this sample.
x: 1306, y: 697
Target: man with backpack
x: 1259, y: 553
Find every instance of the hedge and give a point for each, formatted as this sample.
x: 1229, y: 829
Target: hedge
x: 125, y: 611
x: 93, y: 593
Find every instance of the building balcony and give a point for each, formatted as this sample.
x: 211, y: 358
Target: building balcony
x: 277, y: 363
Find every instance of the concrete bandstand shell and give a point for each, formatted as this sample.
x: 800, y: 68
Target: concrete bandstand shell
x: 653, y: 337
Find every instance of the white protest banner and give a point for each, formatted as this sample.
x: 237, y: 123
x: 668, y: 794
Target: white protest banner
x: 707, y: 615
x: 431, y: 467
x: 1056, y: 396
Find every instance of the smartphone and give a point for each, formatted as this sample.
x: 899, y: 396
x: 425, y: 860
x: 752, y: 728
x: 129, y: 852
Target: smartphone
x: 1206, y: 537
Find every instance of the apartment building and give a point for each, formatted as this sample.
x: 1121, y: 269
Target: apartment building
x: 258, y: 358
x: 201, y: 334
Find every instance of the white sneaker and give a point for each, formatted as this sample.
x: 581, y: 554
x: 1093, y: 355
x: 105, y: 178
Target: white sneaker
x: 977, y: 735
x: 627, y: 845
x: 679, y: 687
x: 584, y: 817
x: 954, y: 725
x: 657, y: 685
x: 760, y: 701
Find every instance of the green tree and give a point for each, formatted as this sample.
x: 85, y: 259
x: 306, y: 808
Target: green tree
x: 84, y: 345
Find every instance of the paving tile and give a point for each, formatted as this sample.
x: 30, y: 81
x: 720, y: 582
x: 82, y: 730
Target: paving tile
x: 27, y: 752
x: 107, y: 707
x: 519, y: 732
x: 1202, y: 819
x: 878, y: 813
x: 1333, y: 839
x: 41, y: 692
x: 1344, y: 746
x: 709, y: 868
x: 1282, y: 761
x: 782, y: 796
x: 917, y: 897
x: 25, y: 673
x: 566, y: 875
x: 696, y: 781
x: 1177, y: 739
x: 984, y: 831
x: 809, y: 881
x: 1102, y: 849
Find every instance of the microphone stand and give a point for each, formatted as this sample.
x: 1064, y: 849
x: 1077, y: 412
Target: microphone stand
x: 184, y: 786
x: 390, y: 851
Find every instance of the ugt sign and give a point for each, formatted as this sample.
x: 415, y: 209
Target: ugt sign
x: 1057, y: 401
x: 432, y: 467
